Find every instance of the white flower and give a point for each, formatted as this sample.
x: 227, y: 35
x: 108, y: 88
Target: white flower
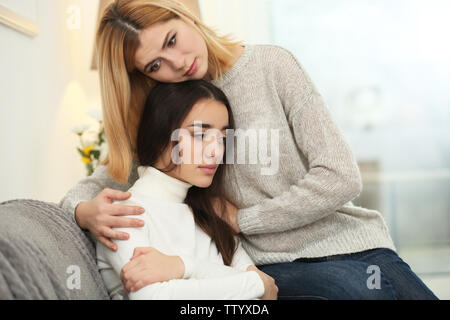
x: 79, y: 129
x: 89, y: 138
x: 97, y: 114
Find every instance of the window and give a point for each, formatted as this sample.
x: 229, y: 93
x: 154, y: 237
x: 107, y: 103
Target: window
x: 383, y: 68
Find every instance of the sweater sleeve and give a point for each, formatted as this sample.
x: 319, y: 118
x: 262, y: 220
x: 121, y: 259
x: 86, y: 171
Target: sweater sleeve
x: 110, y: 263
x: 88, y: 188
x: 241, y: 260
x: 333, y: 178
x: 196, y: 268
x: 243, y: 286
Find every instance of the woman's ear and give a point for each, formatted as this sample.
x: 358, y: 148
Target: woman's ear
x: 180, y: 146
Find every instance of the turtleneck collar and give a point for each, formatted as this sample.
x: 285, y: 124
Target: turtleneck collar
x: 159, y: 185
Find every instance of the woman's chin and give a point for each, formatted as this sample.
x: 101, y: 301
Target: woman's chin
x: 203, y: 182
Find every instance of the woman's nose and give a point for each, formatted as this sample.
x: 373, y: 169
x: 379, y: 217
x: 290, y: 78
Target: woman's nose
x: 178, y: 62
x: 214, y: 148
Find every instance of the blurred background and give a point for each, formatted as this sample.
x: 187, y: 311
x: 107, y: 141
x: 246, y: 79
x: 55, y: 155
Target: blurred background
x: 382, y: 66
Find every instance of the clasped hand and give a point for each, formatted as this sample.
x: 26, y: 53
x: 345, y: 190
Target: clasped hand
x: 148, y: 266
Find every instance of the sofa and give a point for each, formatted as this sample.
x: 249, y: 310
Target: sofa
x: 44, y: 255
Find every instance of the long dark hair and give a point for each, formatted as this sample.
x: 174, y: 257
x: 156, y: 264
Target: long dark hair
x: 166, y: 107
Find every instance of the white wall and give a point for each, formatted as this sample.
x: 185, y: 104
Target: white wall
x: 247, y: 20
x: 46, y: 87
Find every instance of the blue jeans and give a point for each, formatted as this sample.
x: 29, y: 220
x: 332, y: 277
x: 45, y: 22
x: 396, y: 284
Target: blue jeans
x: 377, y: 274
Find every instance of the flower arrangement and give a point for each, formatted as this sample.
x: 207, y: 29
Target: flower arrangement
x: 93, y: 147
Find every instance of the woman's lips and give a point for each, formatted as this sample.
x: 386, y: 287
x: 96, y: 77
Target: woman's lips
x: 192, y: 69
x: 208, y: 169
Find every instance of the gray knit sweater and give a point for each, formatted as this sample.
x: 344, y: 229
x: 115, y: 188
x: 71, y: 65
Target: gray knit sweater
x: 303, y: 208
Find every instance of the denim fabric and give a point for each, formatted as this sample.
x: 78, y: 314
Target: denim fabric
x: 377, y: 274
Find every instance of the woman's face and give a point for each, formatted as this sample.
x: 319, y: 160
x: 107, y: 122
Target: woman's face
x: 172, y: 52
x: 199, y: 147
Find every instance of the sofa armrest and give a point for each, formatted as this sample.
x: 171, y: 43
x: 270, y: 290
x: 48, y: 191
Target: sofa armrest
x: 45, y: 255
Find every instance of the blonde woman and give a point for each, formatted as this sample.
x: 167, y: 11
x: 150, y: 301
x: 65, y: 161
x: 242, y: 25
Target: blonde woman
x: 298, y: 224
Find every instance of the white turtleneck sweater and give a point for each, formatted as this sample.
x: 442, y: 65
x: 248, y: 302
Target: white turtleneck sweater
x: 170, y: 228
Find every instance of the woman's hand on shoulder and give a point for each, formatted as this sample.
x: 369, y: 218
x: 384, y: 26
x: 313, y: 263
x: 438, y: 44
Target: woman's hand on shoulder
x: 101, y: 215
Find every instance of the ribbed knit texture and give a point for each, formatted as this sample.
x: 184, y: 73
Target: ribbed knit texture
x: 304, y: 210
x: 41, y: 249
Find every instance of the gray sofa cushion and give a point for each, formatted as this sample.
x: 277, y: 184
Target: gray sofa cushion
x: 45, y: 255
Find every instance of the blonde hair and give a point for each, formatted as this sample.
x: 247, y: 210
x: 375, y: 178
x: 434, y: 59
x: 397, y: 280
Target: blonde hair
x: 124, y: 88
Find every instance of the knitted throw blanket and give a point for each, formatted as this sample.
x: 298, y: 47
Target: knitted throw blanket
x: 45, y: 255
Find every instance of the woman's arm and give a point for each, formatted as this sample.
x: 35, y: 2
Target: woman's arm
x: 157, y: 269
x: 90, y: 203
x: 139, y: 237
x: 333, y: 178
x: 241, y: 259
x: 89, y: 187
x: 153, y: 264
x: 216, y: 282
x: 149, y: 266
x: 243, y: 285
x: 204, y: 269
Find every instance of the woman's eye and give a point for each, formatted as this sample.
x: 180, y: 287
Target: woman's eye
x: 172, y: 41
x: 155, y: 66
x: 221, y: 139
